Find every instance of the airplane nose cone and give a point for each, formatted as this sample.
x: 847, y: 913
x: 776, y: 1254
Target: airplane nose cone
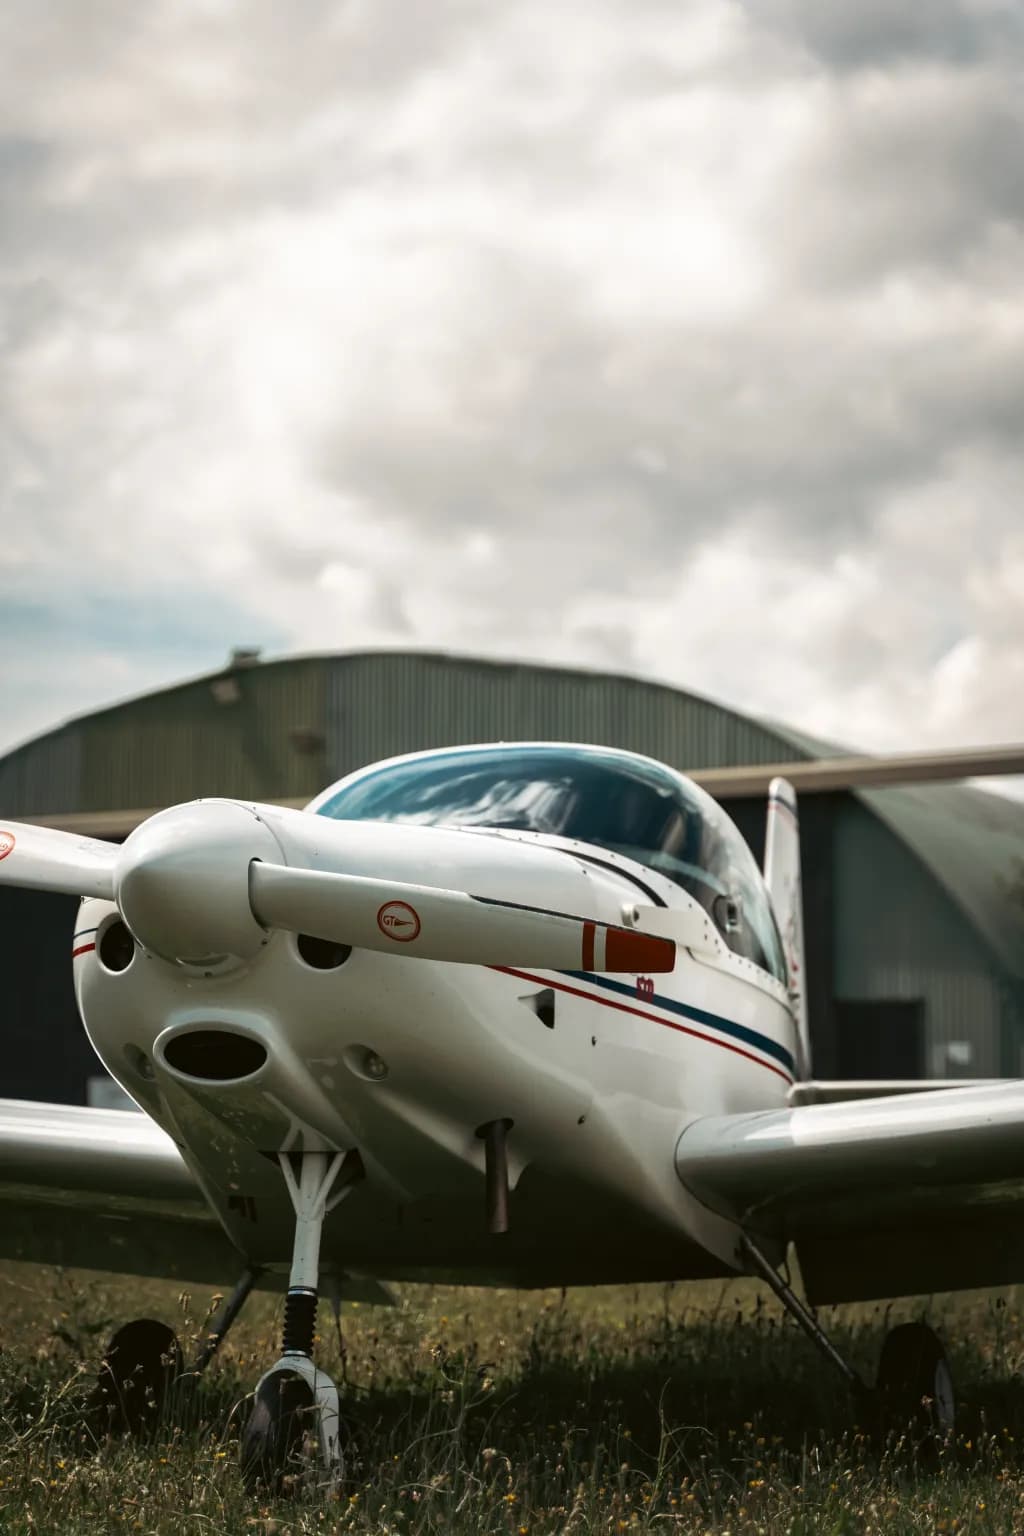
x: 182, y: 881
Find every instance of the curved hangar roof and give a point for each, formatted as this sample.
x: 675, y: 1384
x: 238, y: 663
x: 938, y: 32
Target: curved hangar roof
x: 281, y: 730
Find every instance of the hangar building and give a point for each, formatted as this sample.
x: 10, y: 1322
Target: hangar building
x: 914, y: 896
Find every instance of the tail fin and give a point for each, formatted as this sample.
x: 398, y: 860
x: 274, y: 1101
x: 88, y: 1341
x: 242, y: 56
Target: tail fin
x: 782, y: 874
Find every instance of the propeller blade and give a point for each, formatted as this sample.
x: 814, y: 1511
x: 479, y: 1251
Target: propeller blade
x: 43, y: 859
x: 433, y: 924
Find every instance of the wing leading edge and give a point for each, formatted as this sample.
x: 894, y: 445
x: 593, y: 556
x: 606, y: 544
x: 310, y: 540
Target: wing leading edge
x: 103, y: 1189
x: 108, y: 1189
x: 882, y: 1197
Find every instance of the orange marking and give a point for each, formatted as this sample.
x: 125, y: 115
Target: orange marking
x: 626, y: 950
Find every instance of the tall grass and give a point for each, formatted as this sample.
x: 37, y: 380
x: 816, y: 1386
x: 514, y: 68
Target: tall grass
x: 655, y: 1409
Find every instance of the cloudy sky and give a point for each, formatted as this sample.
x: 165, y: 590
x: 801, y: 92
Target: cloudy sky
x: 678, y: 337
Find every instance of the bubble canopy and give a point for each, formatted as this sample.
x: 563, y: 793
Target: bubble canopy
x: 630, y: 805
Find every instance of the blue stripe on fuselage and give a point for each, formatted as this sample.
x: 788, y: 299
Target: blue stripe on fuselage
x: 698, y: 1015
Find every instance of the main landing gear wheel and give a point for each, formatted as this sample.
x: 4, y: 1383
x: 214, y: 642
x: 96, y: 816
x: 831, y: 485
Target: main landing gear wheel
x: 142, y: 1363
x: 273, y: 1441
x: 915, y: 1384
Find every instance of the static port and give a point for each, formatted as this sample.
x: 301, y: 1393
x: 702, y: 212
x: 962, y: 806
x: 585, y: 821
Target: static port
x: 322, y: 954
x: 116, y: 947
x: 214, y: 1055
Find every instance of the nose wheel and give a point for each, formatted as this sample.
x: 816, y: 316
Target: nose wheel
x: 274, y: 1439
x: 295, y: 1405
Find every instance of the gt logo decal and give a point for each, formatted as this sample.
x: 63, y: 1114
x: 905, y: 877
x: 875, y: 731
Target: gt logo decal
x: 397, y: 920
x: 6, y: 843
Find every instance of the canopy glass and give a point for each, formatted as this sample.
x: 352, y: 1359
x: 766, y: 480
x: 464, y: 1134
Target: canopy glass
x: 629, y: 805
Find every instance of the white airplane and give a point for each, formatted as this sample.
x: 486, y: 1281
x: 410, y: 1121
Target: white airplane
x: 517, y: 1014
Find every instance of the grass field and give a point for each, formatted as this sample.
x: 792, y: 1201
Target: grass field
x: 649, y: 1409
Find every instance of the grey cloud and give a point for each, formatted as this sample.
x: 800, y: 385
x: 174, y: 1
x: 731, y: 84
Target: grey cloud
x: 909, y: 173
x: 798, y: 419
x: 880, y: 33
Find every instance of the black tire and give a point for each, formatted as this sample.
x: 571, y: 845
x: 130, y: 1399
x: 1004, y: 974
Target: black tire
x: 915, y: 1385
x: 135, y: 1385
x: 273, y: 1438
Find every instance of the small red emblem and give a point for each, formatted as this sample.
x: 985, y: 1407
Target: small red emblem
x: 397, y: 920
x: 6, y: 843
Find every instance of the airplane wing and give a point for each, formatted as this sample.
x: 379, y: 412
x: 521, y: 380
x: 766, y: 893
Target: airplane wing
x: 107, y: 1189
x: 104, y: 1189
x: 897, y: 1195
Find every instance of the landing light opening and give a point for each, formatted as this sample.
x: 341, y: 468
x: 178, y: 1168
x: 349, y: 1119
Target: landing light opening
x: 365, y: 1063
x: 214, y: 1055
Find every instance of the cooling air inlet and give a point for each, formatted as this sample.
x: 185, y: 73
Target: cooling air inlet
x: 214, y: 1055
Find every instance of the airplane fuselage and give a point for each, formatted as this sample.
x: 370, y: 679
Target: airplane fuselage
x: 406, y: 1059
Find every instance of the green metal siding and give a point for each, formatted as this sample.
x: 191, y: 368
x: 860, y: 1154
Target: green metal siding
x: 972, y: 841
x: 380, y: 705
x: 300, y: 723
x: 44, y: 775
x: 179, y: 744
x: 174, y: 747
x: 898, y: 934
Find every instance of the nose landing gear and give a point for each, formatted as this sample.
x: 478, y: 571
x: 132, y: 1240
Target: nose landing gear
x: 294, y: 1401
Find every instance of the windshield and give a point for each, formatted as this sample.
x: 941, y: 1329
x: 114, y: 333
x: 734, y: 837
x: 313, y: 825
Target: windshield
x: 629, y: 805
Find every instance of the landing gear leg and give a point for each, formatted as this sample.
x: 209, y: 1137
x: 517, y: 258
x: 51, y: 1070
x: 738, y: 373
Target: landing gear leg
x: 915, y: 1384
x: 222, y: 1320
x: 293, y: 1398
x: 762, y: 1266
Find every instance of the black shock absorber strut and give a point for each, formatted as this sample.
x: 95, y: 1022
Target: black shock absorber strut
x: 299, y: 1321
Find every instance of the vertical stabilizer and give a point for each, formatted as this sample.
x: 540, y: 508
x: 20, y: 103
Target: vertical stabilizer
x: 782, y: 874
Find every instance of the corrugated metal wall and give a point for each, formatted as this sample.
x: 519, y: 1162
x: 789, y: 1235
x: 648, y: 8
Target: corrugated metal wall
x: 898, y: 935
x: 285, y: 729
x: 381, y: 705
x: 44, y: 775
x: 257, y: 732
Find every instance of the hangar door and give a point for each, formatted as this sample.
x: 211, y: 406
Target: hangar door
x: 881, y: 1039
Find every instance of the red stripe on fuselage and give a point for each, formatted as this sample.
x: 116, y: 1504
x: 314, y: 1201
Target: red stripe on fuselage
x: 588, y: 947
x: 83, y: 949
x: 641, y: 1013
